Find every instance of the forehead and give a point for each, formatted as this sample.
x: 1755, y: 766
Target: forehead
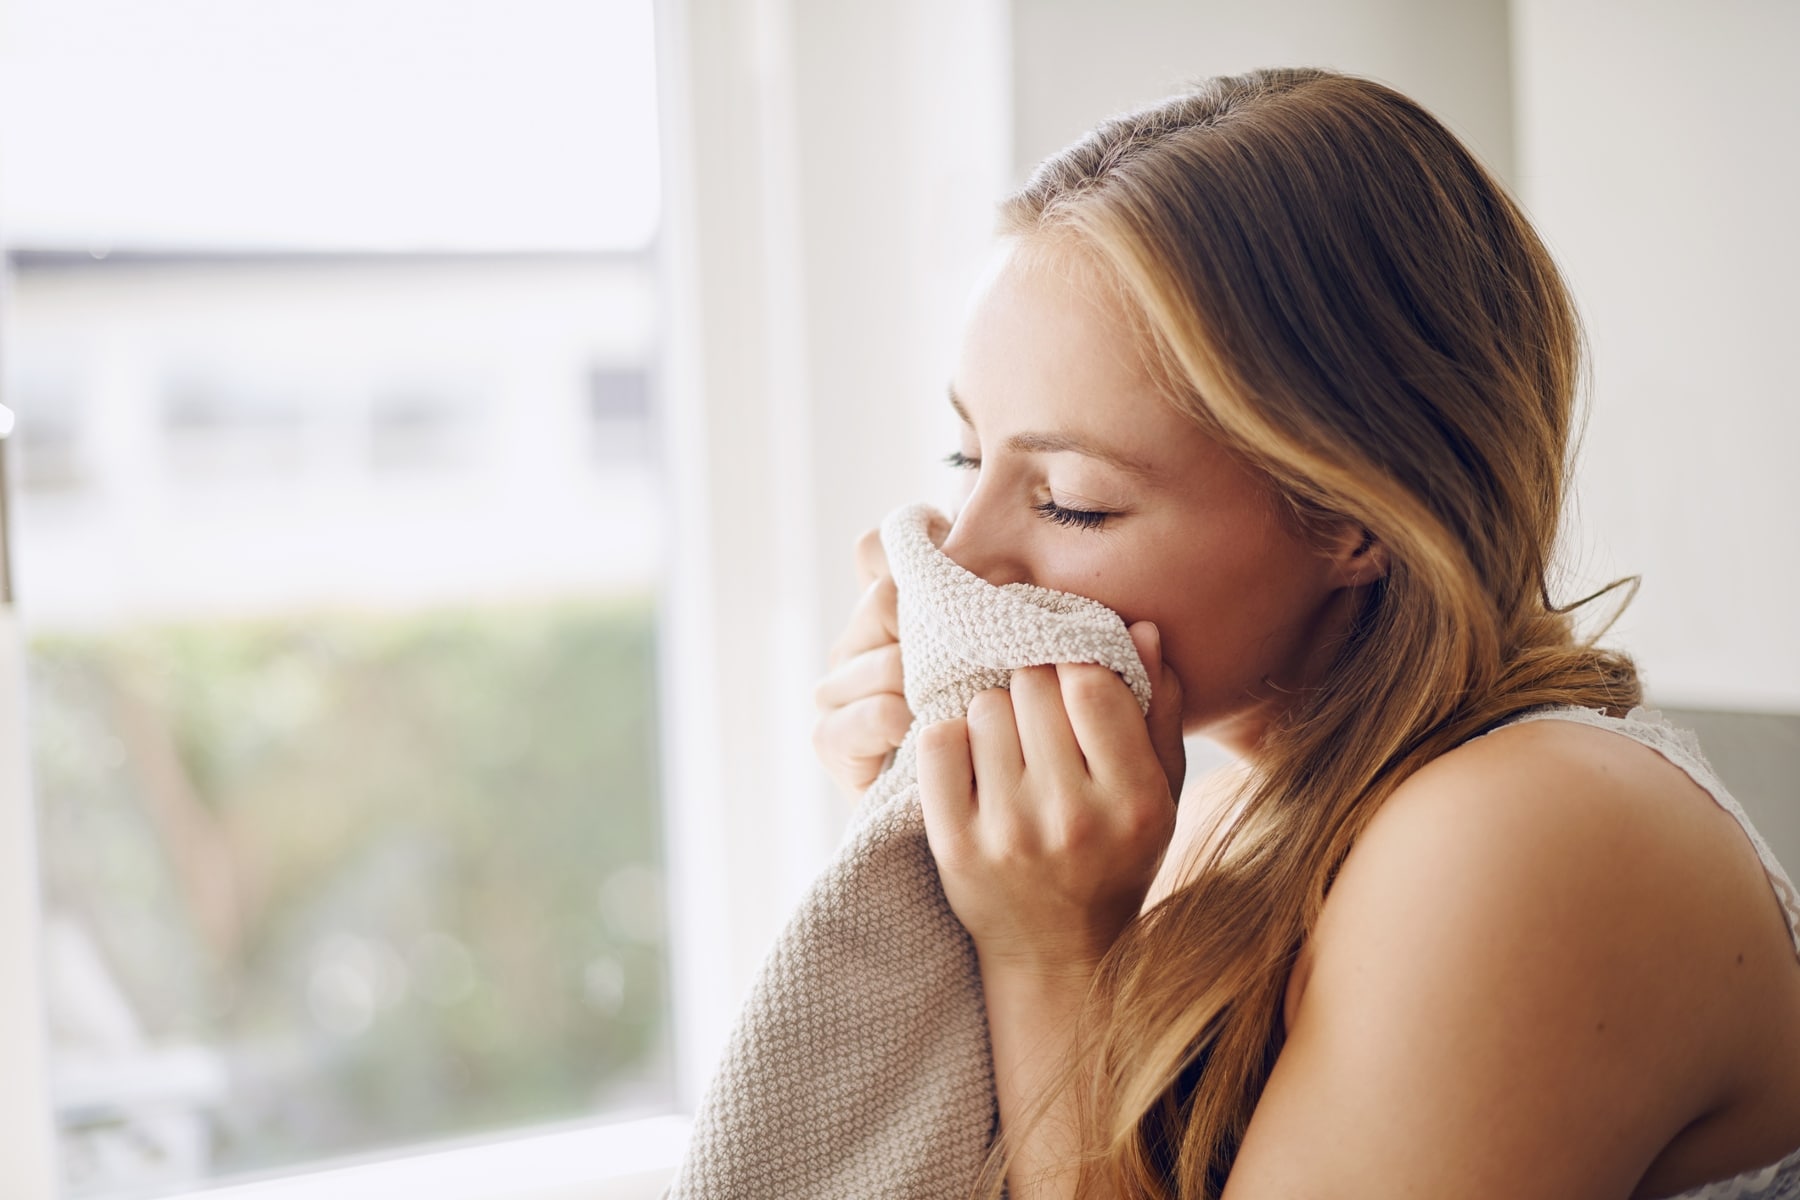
x: 1050, y: 344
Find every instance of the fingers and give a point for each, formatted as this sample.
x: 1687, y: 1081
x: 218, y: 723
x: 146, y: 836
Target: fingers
x: 867, y: 674
x: 994, y: 741
x: 861, y: 698
x: 1164, y: 717
x: 1046, y: 741
x: 1107, y: 723
x: 946, y: 786
x: 871, y: 558
x: 874, y: 622
x: 854, y: 741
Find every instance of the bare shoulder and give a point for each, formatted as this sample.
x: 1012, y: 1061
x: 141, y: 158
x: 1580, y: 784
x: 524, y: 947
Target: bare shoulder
x: 1550, y: 952
x: 1561, y: 790
x: 1557, y: 819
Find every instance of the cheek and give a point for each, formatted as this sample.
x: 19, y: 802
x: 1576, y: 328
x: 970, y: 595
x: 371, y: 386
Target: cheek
x: 1095, y: 565
x: 1224, y: 604
x: 1223, y: 591
x: 1137, y: 584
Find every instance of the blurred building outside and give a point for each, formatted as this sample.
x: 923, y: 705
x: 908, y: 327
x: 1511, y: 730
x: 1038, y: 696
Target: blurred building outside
x: 229, y: 432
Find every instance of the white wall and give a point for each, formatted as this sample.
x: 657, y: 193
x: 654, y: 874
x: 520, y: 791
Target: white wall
x: 902, y: 136
x: 1658, y: 156
x: 1076, y: 61
x: 833, y: 170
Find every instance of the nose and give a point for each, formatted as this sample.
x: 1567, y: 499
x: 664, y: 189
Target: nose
x: 982, y: 544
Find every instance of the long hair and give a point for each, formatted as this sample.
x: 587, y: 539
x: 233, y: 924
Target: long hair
x: 1331, y: 285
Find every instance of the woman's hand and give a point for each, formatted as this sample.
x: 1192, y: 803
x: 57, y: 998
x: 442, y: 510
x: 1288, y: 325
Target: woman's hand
x: 1049, y: 808
x: 862, y: 707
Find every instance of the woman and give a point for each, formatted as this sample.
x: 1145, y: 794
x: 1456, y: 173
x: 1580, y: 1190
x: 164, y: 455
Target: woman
x: 1276, y: 370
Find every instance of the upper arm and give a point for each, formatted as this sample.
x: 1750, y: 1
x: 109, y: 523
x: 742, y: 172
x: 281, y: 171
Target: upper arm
x: 1507, y: 994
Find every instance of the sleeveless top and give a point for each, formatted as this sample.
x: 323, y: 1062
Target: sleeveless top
x: 1777, y: 1180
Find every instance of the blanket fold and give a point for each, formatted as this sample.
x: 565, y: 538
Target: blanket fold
x: 860, y: 1065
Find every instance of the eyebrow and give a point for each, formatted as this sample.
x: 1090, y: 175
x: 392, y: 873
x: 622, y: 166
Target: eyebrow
x: 1057, y: 443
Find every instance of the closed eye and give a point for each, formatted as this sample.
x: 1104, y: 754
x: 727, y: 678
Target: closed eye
x: 1050, y: 510
x: 1080, y: 518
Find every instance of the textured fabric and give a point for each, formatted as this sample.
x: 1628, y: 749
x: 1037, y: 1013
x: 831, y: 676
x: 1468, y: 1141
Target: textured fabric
x: 1778, y: 1180
x: 860, y: 1066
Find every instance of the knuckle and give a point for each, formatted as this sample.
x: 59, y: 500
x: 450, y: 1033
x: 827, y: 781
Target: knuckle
x: 1147, y: 822
x: 986, y: 707
x: 1073, y: 832
x: 884, y: 593
x: 941, y: 737
x: 890, y: 665
x: 1088, y: 683
x: 893, y: 716
x: 1005, y: 849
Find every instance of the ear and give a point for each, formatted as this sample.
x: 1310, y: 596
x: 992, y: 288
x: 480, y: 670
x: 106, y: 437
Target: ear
x: 1356, y: 555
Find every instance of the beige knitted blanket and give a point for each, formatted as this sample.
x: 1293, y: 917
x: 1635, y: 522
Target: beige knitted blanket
x: 860, y: 1065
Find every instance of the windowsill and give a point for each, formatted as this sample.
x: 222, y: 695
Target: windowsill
x: 627, y: 1160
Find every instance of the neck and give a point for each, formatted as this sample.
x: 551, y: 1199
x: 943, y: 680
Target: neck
x: 1243, y: 730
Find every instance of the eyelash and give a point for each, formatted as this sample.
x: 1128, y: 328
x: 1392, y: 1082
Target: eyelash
x: 1079, y: 518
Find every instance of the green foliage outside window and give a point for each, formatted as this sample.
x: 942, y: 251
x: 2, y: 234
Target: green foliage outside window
x: 402, y: 874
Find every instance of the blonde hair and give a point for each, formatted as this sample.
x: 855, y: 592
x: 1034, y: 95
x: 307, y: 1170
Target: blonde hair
x: 1332, y: 286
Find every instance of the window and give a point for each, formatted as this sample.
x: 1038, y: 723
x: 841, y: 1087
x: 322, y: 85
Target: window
x: 51, y: 432
x: 342, y: 677
x: 619, y: 404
